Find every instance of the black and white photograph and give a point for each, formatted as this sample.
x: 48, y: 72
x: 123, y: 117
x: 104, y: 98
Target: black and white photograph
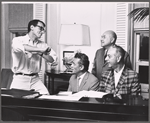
x: 75, y: 61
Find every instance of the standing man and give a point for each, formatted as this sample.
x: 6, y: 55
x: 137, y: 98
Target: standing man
x: 81, y: 78
x: 120, y: 79
x: 27, y: 54
x: 107, y: 39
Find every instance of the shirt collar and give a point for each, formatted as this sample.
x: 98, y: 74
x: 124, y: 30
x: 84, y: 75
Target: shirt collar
x: 27, y: 39
x: 81, y: 77
x: 120, y: 70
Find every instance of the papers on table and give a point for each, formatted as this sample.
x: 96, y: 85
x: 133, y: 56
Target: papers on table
x: 64, y: 93
x: 74, y: 97
x: 19, y: 93
x: 7, y: 95
x: 92, y: 94
x: 61, y: 97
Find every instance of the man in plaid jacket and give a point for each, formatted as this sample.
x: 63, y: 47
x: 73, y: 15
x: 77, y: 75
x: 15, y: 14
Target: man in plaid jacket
x: 120, y: 79
x: 108, y: 39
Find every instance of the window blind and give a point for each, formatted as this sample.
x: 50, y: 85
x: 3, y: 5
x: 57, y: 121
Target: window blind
x: 121, y: 24
x: 39, y: 12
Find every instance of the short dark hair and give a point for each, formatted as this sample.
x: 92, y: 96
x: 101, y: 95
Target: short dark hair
x: 84, y: 60
x: 121, y: 51
x: 34, y: 23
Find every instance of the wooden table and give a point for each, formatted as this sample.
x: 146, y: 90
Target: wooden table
x: 55, y: 74
x: 86, y: 109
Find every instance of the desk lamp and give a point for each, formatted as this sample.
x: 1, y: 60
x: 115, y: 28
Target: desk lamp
x: 73, y: 35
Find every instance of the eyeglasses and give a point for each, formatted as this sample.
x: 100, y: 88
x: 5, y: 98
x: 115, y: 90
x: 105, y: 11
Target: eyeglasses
x: 41, y: 28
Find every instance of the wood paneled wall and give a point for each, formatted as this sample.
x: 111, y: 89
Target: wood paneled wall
x: 20, y: 15
x: 15, y: 17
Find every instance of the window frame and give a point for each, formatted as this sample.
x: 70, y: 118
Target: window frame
x: 137, y: 62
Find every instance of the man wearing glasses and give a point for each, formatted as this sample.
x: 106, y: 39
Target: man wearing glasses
x: 27, y: 54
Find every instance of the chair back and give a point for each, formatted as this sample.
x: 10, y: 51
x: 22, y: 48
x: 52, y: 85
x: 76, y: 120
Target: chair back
x: 6, y: 78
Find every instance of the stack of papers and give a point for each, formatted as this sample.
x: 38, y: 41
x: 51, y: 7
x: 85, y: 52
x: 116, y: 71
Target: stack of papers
x: 74, y: 97
x: 92, y: 94
x: 64, y: 93
x: 19, y: 93
x: 56, y: 97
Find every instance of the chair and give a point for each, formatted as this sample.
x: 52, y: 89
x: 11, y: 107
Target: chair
x: 63, y: 87
x: 6, y: 78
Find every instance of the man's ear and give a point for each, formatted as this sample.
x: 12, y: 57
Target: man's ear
x: 118, y: 59
x: 112, y: 41
x: 81, y: 67
x: 31, y: 27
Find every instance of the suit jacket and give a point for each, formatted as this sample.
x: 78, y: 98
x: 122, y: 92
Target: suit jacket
x: 99, y: 66
x: 128, y: 82
x: 89, y: 82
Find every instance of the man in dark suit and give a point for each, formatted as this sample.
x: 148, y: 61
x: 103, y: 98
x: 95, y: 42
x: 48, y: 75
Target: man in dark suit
x: 120, y: 79
x: 107, y: 39
x: 81, y: 78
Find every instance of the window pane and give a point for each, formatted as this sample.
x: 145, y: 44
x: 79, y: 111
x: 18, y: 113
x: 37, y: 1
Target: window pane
x: 144, y: 46
x: 143, y: 74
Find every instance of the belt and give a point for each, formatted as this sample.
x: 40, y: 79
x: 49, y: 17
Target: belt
x: 32, y: 74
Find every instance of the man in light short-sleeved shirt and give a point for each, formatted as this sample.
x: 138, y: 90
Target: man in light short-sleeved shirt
x: 27, y: 54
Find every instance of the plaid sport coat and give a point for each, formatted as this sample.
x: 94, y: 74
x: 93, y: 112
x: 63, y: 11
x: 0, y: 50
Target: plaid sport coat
x: 128, y: 82
x: 99, y: 66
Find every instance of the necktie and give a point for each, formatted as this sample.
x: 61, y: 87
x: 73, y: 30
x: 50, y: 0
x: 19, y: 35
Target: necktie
x: 78, y: 79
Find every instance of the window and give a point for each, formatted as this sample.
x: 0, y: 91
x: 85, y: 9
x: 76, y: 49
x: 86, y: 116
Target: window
x: 142, y: 46
x: 143, y: 69
x: 141, y: 49
x: 142, y: 56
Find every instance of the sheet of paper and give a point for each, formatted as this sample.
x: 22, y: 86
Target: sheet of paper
x: 64, y: 93
x: 7, y: 95
x: 92, y: 94
x: 57, y: 97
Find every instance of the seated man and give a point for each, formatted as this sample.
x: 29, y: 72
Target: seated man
x: 121, y: 79
x: 108, y: 39
x: 81, y: 78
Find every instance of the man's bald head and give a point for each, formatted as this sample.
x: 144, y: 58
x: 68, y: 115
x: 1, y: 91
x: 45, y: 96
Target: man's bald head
x: 112, y: 34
